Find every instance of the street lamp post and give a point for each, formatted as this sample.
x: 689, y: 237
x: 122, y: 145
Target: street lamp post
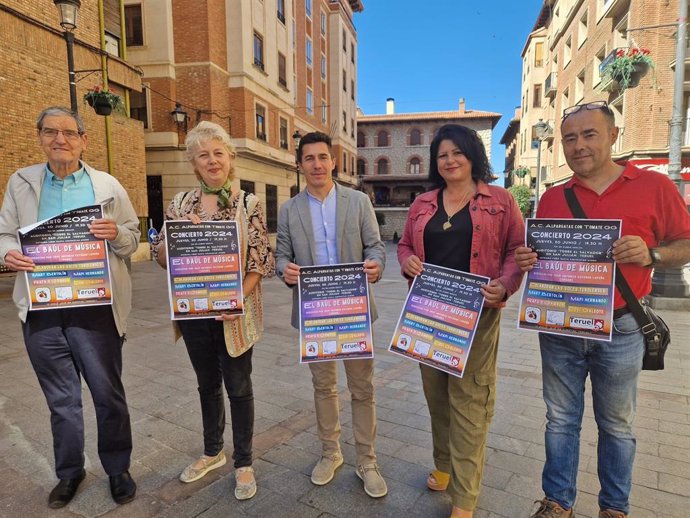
x: 541, y: 129
x: 69, y: 10
x: 296, y: 137
x: 673, y: 282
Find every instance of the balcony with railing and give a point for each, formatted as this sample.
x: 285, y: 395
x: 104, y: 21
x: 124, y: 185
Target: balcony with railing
x: 550, y: 85
x: 607, y: 83
x: 613, y: 8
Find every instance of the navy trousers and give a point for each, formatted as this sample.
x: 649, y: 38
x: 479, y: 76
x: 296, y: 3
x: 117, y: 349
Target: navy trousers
x: 64, y: 345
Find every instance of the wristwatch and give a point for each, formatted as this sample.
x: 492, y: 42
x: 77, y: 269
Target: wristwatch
x: 656, y: 257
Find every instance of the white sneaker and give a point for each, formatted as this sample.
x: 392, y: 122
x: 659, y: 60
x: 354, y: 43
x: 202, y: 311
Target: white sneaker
x: 324, y: 471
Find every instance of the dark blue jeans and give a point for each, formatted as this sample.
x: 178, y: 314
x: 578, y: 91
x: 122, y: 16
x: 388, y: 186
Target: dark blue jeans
x: 213, y: 365
x: 63, y: 345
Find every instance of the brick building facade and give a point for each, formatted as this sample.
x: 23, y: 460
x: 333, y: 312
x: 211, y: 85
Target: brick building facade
x: 579, y: 36
x: 263, y: 70
x: 33, y: 76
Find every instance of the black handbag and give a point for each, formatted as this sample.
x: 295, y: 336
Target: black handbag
x: 657, y: 335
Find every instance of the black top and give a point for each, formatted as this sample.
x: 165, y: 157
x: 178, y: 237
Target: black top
x: 450, y: 248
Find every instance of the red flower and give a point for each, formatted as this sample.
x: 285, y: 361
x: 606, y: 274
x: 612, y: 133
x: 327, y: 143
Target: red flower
x: 620, y: 53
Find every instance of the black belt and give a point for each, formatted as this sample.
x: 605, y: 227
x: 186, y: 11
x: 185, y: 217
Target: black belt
x: 617, y: 313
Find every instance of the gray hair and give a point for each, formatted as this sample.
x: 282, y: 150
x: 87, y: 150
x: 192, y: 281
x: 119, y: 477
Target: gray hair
x: 202, y: 133
x: 59, y: 111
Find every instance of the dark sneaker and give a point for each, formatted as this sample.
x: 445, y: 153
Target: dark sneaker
x: 611, y: 513
x: 550, y: 509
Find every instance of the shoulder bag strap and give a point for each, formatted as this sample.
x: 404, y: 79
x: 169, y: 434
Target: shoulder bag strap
x: 180, y: 199
x: 648, y: 327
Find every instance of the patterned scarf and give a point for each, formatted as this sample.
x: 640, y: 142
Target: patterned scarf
x: 223, y: 192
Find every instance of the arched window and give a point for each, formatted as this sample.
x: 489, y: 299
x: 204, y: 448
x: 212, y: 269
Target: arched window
x: 382, y: 139
x: 361, y: 139
x: 415, y: 137
x: 361, y: 167
x: 382, y: 166
x: 415, y: 165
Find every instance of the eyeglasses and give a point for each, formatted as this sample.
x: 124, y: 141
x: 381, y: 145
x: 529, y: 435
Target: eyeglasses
x: 52, y: 133
x: 596, y: 105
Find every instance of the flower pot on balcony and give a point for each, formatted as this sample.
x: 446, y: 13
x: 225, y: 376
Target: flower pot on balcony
x: 641, y: 68
x: 631, y: 81
x: 102, y: 107
x: 639, y: 71
x: 627, y: 66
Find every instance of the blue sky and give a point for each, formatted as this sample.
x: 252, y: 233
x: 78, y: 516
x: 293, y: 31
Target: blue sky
x: 429, y: 54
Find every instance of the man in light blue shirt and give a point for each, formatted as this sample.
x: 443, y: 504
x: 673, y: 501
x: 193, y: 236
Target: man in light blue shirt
x: 330, y: 224
x: 68, y: 344
x: 60, y: 194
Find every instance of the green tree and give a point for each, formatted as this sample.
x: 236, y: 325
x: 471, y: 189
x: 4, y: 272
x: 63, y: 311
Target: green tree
x: 522, y: 195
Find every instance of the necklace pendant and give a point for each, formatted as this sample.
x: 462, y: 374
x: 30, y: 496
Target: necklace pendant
x: 447, y: 225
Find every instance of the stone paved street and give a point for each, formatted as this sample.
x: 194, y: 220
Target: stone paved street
x: 166, y: 421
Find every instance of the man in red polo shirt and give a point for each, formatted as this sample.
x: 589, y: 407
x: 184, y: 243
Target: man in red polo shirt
x: 652, y: 212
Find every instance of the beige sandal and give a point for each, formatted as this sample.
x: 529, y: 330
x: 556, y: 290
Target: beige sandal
x: 244, y: 491
x: 437, y: 480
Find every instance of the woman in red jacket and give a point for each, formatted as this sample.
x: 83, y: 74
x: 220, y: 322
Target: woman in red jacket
x: 468, y: 225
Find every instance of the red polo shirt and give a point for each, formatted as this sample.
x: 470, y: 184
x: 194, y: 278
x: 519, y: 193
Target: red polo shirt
x: 649, y: 205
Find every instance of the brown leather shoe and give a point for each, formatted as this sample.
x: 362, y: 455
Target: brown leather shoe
x: 612, y: 513
x: 550, y: 509
x: 62, y: 494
